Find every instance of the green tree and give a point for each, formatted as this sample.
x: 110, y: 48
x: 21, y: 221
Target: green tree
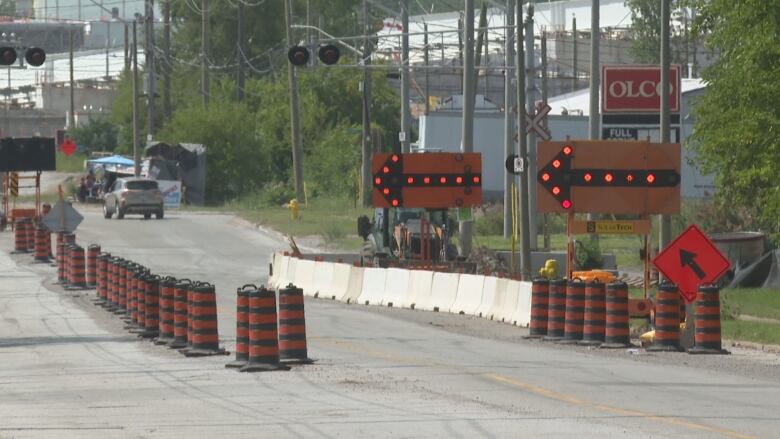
x: 737, y: 131
x: 8, y: 7
x: 96, y: 135
x: 646, y: 30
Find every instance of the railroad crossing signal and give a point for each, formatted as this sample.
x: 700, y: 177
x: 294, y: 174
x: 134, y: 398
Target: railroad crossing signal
x: 535, y: 123
x: 430, y: 180
x: 35, y: 56
x: 299, y: 56
x: 13, y: 184
x: 608, y: 177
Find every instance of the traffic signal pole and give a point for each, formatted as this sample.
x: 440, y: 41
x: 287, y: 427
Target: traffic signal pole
x: 406, y: 117
x: 509, y: 123
x: 467, y: 142
x: 295, y: 123
x: 525, y: 235
x: 366, y: 139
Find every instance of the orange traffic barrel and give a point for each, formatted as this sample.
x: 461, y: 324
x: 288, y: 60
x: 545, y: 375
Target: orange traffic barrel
x: 42, y: 248
x: 205, y: 327
x: 20, y: 237
x: 30, y: 234
x: 263, y: 332
x: 60, y: 259
x: 139, y: 281
x: 180, y: 314
x: 131, y: 300
x: 575, y: 312
x: 151, y: 306
x: 667, y: 319
x: 93, y: 251
x: 190, y: 295
x: 706, y: 338
x: 69, y: 263
x: 616, y: 334
x: 292, y: 326
x: 121, y: 291
x: 540, y: 301
x: 102, y: 277
x: 77, y: 266
x: 167, y: 285
x: 113, y: 283
x: 242, y: 326
x: 556, y: 310
x: 595, y: 318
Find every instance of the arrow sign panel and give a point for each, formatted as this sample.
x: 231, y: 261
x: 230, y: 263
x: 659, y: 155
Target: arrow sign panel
x: 608, y: 177
x: 428, y: 180
x: 62, y: 218
x: 691, y: 260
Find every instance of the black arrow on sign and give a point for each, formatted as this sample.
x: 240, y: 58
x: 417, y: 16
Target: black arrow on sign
x: 689, y: 259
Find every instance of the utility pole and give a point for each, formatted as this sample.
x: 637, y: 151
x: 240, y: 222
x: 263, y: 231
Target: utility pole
x: 509, y: 122
x: 406, y: 118
x: 365, y: 168
x: 136, y: 128
x: 469, y: 85
x: 295, y: 123
x: 151, y: 80
x: 525, y: 236
x: 167, y: 109
x: 127, y: 47
x: 240, y: 45
x: 204, y: 52
x: 595, y: 75
x: 545, y: 231
x: 574, y: 53
x: 108, y: 48
x: 530, y: 174
x: 426, y: 61
x: 666, y: 220
x: 72, y: 118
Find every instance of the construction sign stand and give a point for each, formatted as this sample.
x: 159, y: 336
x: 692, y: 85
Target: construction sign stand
x: 12, y: 182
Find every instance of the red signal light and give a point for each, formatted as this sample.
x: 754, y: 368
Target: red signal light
x: 567, y: 150
x: 443, y: 180
x: 386, y: 191
x: 556, y: 163
x: 395, y: 203
x: 588, y: 177
x: 650, y: 178
x: 475, y: 179
x: 386, y: 170
x: 566, y: 204
x: 459, y: 180
x: 608, y: 178
x: 394, y: 158
x: 377, y: 181
x: 427, y: 180
x: 556, y: 190
x: 545, y: 177
x: 629, y: 178
x: 410, y: 180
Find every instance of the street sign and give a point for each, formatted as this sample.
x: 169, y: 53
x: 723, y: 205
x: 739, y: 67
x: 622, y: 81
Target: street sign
x: 691, y: 260
x: 62, y: 218
x: 605, y: 176
x: 619, y: 133
x: 13, y: 183
x: 68, y: 147
x: 514, y: 164
x: 637, y: 88
x: 535, y: 124
x: 429, y: 180
x: 628, y: 227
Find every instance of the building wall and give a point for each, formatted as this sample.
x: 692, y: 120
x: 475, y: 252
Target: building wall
x: 31, y: 122
x: 56, y: 98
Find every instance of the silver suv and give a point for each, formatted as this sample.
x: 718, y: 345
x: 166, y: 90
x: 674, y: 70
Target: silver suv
x: 133, y: 195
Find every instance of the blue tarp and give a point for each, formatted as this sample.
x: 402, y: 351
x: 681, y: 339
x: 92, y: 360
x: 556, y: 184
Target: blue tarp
x: 114, y: 160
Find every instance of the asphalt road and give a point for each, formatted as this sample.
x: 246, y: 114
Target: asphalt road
x: 68, y: 369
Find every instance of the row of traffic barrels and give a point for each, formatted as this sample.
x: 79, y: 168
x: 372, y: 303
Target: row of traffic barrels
x: 597, y: 314
x: 178, y: 313
x: 33, y: 237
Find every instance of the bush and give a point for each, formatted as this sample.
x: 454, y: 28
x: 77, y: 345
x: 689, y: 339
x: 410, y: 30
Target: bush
x: 490, y: 220
x: 276, y: 194
x: 587, y: 255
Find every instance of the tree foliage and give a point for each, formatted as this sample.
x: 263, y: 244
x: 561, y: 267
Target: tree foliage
x: 737, y: 131
x: 96, y: 135
x: 646, y: 30
x: 8, y: 7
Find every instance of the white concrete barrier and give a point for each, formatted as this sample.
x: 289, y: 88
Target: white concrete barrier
x: 373, y: 286
x: 322, y: 279
x: 274, y: 270
x: 281, y: 265
x: 522, y: 314
x: 469, y: 295
x: 304, y: 275
x: 419, y: 289
x: 488, y: 297
x: 289, y: 274
x: 505, y: 313
x: 396, y: 287
x: 444, y: 289
x: 355, y: 285
x: 339, y: 282
x: 497, y: 309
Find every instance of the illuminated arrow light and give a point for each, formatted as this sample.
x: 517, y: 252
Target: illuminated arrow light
x: 386, y: 191
x: 459, y: 180
x: 556, y: 163
x: 377, y: 181
x: 566, y: 204
x: 427, y: 180
x: 556, y: 190
x: 608, y: 177
x: 476, y: 180
x: 443, y: 180
x: 394, y: 158
x: 650, y: 178
x: 386, y: 170
x: 629, y: 178
x: 394, y: 203
x: 545, y: 177
x: 567, y: 150
x: 410, y: 180
x: 587, y: 177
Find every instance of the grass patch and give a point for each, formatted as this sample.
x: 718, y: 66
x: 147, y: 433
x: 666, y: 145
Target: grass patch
x: 71, y: 163
x: 752, y: 302
x: 756, y: 332
x: 334, y: 219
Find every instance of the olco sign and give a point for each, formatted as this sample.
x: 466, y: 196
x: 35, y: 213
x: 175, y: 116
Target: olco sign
x: 637, y: 89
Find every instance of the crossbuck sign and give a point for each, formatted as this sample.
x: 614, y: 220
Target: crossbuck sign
x: 535, y: 123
